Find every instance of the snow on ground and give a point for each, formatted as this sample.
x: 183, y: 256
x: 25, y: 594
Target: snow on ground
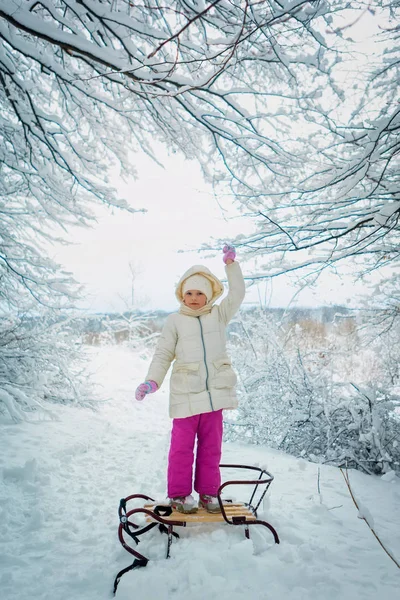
x: 60, y: 485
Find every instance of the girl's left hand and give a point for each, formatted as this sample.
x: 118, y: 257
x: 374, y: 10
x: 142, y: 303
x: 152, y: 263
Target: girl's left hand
x: 229, y: 254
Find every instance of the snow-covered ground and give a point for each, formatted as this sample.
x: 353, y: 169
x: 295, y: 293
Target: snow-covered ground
x: 60, y: 485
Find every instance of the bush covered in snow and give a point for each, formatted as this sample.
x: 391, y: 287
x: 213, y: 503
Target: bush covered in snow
x: 39, y: 364
x: 134, y: 329
x: 314, y: 390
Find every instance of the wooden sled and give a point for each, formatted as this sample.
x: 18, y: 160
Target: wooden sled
x: 242, y: 514
x: 233, y: 510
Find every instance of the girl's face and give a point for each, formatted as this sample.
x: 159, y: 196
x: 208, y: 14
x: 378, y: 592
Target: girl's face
x: 195, y: 299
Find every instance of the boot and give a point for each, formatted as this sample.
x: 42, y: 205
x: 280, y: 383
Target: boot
x: 184, y: 504
x: 210, y: 503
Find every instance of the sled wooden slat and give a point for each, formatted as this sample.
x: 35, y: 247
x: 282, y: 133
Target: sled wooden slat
x: 202, y: 516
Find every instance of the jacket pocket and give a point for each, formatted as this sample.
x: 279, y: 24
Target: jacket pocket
x: 224, y: 376
x: 186, y: 379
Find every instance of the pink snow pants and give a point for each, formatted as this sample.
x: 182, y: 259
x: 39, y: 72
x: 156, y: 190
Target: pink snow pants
x: 208, y: 428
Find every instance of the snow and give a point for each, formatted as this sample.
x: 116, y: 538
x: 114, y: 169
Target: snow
x: 363, y: 513
x: 389, y: 476
x: 61, y: 482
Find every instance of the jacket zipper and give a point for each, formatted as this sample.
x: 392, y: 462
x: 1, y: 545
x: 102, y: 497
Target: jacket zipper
x: 205, y: 361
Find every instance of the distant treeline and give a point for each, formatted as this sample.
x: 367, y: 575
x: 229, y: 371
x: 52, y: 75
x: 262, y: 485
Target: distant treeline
x: 102, y: 328
x: 101, y: 322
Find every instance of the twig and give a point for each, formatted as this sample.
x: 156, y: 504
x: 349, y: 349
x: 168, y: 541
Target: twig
x: 190, y: 21
x: 347, y: 480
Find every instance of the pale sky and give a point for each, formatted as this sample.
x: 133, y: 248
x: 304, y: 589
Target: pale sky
x: 182, y: 214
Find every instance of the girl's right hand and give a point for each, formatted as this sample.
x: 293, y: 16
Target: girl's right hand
x: 148, y: 387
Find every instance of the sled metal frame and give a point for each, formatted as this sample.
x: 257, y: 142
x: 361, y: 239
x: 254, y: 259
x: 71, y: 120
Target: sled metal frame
x: 166, y: 519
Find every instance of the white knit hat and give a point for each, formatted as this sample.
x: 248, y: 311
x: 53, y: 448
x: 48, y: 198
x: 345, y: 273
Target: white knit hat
x: 198, y: 282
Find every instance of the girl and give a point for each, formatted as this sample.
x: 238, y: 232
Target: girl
x: 202, y: 380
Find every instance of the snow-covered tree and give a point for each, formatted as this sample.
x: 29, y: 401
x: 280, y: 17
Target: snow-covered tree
x: 344, y: 202
x: 82, y: 82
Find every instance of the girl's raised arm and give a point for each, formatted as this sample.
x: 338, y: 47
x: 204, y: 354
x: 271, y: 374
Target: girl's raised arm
x: 237, y: 290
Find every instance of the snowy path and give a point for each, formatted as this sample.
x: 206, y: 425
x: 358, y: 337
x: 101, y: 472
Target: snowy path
x: 61, y: 481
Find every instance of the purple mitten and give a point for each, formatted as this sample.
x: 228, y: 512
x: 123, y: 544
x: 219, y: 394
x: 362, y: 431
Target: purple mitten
x: 229, y: 253
x: 148, y: 387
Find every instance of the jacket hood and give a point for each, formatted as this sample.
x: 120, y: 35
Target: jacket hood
x: 216, y: 285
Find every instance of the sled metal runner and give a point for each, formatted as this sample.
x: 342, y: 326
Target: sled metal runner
x: 242, y: 514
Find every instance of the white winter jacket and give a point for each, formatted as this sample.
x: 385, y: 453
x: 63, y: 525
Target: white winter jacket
x: 202, y: 378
